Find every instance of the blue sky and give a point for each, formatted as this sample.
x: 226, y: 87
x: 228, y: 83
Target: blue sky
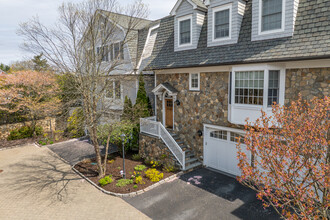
x: 14, y: 12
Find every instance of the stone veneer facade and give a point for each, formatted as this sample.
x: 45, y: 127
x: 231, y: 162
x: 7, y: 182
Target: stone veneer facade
x: 153, y: 148
x: 210, y: 104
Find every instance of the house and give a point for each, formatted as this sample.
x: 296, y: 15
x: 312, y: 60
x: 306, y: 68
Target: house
x: 133, y: 56
x: 220, y: 62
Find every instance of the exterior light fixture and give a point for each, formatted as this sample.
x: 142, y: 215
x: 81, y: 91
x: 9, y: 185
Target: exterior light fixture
x: 177, y: 102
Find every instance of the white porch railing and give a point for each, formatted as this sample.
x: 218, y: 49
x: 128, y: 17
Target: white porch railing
x: 152, y: 127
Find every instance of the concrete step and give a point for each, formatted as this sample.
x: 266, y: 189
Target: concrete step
x: 194, y: 165
x: 189, y: 154
x: 191, y: 160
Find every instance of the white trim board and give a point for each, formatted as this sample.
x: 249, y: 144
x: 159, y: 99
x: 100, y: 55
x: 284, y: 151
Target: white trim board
x: 320, y: 63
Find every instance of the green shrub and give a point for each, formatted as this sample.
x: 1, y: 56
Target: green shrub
x: 106, y: 180
x: 140, y: 167
x: 169, y: 168
x: 136, y: 157
x: 135, y: 186
x: 39, y: 130
x: 24, y: 132
x: 76, y: 123
x: 124, y: 182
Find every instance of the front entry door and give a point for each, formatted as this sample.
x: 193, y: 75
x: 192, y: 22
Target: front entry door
x: 169, y: 113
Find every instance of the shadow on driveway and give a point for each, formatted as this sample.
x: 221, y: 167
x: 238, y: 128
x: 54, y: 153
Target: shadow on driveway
x: 202, y: 194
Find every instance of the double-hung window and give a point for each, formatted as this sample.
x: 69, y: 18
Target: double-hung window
x: 271, y: 15
x: 185, y: 35
x: 250, y: 87
x: 116, y: 51
x: 103, y: 53
x: 194, y: 81
x: 114, y: 90
x: 222, y: 22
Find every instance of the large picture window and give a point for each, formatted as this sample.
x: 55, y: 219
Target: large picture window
x: 271, y: 15
x: 249, y: 87
x: 185, y: 31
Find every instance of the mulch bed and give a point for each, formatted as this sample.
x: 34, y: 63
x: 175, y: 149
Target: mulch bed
x: 90, y: 171
x: 1, y: 171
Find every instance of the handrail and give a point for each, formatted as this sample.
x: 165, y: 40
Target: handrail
x: 152, y: 127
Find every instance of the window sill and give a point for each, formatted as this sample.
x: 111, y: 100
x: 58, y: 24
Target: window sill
x: 194, y: 90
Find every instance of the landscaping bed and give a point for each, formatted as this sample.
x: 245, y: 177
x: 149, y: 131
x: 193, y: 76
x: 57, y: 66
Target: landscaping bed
x: 115, y: 164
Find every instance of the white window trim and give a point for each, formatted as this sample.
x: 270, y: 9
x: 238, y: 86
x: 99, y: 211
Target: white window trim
x: 199, y: 82
x: 114, y: 91
x: 266, y: 69
x: 191, y: 29
x: 271, y: 31
x: 217, y: 9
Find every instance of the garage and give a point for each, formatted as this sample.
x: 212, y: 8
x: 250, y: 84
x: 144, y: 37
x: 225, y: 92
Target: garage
x: 220, y: 150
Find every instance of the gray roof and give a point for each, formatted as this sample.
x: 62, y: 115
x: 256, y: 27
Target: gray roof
x: 311, y: 40
x: 169, y: 87
x: 199, y: 4
x: 126, y: 21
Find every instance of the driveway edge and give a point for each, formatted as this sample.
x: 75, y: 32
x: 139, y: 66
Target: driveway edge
x: 127, y: 194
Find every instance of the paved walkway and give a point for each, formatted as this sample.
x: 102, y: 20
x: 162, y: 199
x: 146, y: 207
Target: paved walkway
x: 202, y: 194
x: 36, y: 184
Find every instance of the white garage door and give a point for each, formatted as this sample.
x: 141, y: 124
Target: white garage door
x: 220, y: 150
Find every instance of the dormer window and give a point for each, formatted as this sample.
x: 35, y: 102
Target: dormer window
x: 273, y: 19
x: 185, y: 30
x: 222, y: 22
x: 271, y: 15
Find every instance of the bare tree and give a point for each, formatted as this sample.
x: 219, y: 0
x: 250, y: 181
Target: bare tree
x: 83, y: 43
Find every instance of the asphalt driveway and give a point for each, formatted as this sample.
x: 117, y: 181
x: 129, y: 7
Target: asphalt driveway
x: 76, y: 150
x: 202, y: 194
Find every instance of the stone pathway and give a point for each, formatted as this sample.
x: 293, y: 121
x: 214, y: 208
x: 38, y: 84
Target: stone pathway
x: 37, y: 184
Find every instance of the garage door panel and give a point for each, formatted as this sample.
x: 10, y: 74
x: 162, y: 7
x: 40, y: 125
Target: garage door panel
x: 221, y: 151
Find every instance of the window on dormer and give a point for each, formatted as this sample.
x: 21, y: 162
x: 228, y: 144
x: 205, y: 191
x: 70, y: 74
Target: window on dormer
x: 271, y: 15
x: 221, y: 24
x: 185, y: 31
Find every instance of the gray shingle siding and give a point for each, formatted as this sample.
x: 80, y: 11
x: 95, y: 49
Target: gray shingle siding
x: 235, y: 25
x: 288, y: 21
x: 197, y: 22
x: 310, y: 40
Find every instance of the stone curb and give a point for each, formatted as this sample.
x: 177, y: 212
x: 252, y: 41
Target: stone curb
x: 63, y: 142
x: 127, y: 194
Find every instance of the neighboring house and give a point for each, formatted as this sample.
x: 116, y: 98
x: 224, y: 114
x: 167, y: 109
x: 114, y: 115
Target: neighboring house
x: 2, y: 72
x: 134, y: 56
x: 221, y: 62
